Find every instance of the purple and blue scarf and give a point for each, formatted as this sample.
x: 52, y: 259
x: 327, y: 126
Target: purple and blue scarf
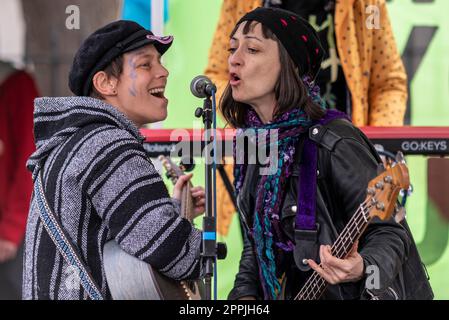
x: 266, y: 231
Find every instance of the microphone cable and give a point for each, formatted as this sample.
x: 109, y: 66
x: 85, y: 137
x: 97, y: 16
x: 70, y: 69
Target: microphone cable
x: 214, y: 177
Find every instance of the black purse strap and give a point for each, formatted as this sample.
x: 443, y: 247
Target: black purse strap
x: 59, y: 237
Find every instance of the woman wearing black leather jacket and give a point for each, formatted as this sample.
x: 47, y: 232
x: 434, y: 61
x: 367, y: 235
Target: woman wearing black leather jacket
x: 322, y: 169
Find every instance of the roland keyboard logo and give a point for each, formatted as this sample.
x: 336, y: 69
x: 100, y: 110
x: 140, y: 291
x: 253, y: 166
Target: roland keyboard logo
x: 159, y: 148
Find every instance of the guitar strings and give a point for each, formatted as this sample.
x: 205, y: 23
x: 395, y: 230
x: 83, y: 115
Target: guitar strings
x: 336, y: 248
x: 341, y: 243
x: 358, y: 222
x: 311, y: 283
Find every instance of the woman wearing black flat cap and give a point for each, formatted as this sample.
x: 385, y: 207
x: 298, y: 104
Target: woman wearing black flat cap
x: 96, y: 175
x: 324, y: 165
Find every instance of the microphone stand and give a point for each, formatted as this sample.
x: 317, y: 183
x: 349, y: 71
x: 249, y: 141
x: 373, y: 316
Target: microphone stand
x: 211, y: 249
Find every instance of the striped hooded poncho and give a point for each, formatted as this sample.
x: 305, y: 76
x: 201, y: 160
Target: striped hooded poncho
x: 101, y: 185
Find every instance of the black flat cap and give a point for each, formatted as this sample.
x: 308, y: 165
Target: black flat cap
x: 296, y: 35
x: 106, y: 44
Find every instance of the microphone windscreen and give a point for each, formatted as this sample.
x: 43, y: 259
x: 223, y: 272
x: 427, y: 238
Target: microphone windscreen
x: 198, y: 85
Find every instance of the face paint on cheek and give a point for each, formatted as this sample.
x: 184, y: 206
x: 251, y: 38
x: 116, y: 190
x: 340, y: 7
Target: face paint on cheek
x: 133, y: 75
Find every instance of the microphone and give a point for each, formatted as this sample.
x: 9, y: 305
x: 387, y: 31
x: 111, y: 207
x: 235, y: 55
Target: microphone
x: 202, y: 87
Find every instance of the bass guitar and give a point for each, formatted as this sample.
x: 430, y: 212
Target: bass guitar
x: 380, y: 202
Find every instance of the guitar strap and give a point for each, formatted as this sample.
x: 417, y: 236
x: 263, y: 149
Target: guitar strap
x: 306, y: 227
x: 59, y: 237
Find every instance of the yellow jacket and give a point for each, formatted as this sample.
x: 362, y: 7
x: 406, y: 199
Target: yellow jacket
x: 370, y: 60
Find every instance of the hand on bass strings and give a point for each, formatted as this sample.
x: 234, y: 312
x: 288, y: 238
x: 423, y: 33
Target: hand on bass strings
x: 334, y: 270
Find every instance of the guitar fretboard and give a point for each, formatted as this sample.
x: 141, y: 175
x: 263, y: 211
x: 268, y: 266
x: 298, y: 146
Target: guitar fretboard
x: 315, y: 285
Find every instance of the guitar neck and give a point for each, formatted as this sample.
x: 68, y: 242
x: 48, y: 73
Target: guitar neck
x: 187, y: 202
x: 315, y: 285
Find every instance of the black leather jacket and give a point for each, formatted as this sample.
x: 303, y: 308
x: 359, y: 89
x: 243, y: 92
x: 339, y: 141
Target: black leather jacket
x: 347, y: 161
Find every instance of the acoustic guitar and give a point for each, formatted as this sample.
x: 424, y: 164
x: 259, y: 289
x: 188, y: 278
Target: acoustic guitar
x: 130, y: 278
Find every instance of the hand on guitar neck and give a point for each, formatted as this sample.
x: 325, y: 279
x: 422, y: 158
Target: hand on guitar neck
x: 335, y: 270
